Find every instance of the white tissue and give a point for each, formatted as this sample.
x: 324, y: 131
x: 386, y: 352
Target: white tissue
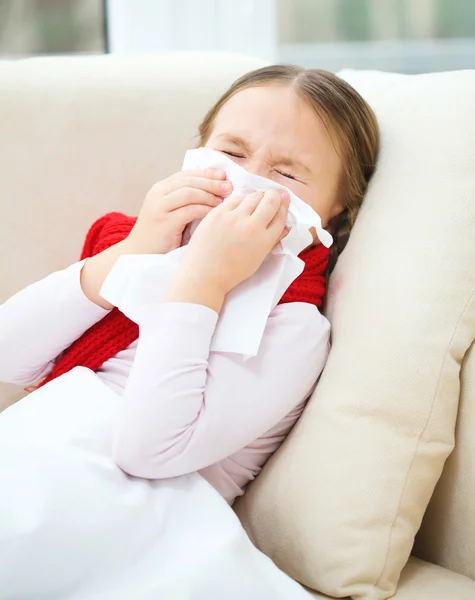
x: 300, y: 215
x: 142, y: 279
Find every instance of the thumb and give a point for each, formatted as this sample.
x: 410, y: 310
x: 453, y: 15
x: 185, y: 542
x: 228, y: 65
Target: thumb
x: 284, y: 233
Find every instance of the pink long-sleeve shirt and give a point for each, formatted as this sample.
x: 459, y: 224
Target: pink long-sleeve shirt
x: 185, y: 408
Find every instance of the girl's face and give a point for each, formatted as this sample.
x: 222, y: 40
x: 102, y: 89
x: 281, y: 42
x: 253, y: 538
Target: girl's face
x: 270, y: 132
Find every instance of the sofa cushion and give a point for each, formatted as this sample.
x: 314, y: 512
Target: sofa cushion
x: 339, y: 505
x: 424, y: 581
x: 447, y: 535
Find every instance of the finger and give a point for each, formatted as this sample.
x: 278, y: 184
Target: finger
x: 208, y: 173
x: 268, y: 207
x: 277, y: 226
x: 192, y: 212
x: 233, y: 203
x: 284, y: 233
x: 219, y: 187
x: 186, y: 196
x: 250, y: 202
x: 281, y: 215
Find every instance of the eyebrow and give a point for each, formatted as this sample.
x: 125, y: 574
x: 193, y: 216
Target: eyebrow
x: 290, y: 162
x: 282, y: 160
x: 235, y: 139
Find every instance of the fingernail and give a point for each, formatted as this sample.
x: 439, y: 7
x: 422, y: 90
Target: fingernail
x: 226, y: 187
x: 219, y: 200
x: 219, y: 173
x: 285, y: 195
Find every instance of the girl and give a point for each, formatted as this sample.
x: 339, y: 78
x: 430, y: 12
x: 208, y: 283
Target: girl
x: 185, y: 409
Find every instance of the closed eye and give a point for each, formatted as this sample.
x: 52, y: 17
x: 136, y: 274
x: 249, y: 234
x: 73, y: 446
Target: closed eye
x: 235, y: 154
x: 288, y: 175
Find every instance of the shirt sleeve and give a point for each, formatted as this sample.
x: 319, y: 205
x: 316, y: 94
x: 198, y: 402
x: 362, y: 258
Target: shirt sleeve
x: 186, y: 408
x: 41, y: 321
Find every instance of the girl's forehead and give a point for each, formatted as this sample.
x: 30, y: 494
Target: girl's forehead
x: 271, y: 99
x: 275, y: 116
x: 274, y: 110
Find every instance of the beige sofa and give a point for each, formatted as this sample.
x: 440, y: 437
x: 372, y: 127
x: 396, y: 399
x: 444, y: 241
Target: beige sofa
x: 83, y: 136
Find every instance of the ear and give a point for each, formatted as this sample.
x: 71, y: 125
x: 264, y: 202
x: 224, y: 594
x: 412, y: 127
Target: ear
x: 335, y: 216
x: 337, y: 209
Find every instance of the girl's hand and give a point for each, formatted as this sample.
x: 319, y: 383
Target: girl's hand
x: 171, y: 205
x: 168, y: 208
x: 229, y: 246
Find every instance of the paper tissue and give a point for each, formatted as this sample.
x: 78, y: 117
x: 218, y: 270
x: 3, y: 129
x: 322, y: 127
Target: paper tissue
x: 142, y: 279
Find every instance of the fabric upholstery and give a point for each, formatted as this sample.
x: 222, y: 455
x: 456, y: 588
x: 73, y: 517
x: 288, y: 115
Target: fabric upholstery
x: 447, y: 536
x: 424, y: 581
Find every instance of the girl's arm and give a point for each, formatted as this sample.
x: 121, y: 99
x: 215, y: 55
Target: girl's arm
x: 41, y: 321
x: 186, y: 409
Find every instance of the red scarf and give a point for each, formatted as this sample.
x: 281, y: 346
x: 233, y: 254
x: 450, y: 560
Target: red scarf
x: 115, y: 331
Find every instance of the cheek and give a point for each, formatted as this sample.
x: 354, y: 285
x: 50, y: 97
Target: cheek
x: 321, y: 204
x: 310, y: 195
x: 306, y: 193
x: 299, y: 189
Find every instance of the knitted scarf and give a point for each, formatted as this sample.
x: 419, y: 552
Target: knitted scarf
x: 115, y: 331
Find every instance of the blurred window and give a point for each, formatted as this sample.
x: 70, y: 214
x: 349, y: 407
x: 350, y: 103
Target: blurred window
x: 51, y: 26
x: 409, y: 36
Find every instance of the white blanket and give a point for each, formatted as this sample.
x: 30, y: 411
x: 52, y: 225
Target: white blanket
x: 73, y: 526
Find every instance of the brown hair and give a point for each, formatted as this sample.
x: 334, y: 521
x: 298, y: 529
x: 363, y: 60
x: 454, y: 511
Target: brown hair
x: 349, y: 120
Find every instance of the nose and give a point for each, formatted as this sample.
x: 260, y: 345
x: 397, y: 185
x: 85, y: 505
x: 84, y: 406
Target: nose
x: 258, y: 167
